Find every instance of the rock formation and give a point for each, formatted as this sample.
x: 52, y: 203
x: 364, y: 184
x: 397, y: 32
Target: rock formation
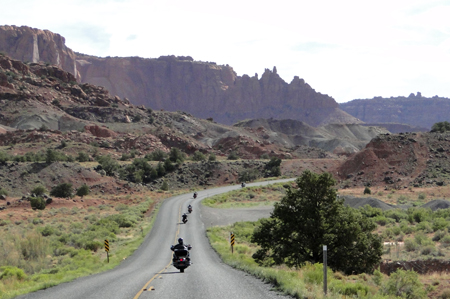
x: 204, y: 89
x: 414, y: 110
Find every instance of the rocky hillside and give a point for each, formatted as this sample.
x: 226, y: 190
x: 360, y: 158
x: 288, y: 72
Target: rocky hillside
x: 203, y: 89
x: 415, y: 110
x: 399, y: 161
x: 337, y: 138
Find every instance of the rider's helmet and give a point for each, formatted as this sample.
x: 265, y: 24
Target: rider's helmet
x: 180, y: 241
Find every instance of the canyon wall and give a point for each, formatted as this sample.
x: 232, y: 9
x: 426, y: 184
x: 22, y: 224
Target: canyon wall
x: 204, y: 89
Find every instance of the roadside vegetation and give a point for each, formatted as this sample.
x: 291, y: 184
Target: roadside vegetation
x: 412, y: 233
x: 60, y: 244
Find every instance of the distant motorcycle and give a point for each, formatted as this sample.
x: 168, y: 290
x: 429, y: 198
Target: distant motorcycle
x: 190, y: 209
x: 184, y: 218
x: 243, y: 185
x: 195, y: 195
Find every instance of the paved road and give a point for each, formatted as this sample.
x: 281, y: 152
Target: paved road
x: 148, y: 273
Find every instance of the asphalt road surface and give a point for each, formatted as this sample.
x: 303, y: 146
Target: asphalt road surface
x: 148, y: 273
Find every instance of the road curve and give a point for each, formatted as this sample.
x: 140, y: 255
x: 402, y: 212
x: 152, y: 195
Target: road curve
x: 148, y: 273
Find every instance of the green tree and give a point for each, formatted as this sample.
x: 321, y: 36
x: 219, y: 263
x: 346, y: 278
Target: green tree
x: 367, y: 190
x: 108, y: 164
x: 51, y: 156
x: 39, y: 191
x: 273, y: 167
x: 176, y: 155
x: 62, y: 190
x: 82, y: 157
x: 37, y: 203
x: 198, y: 156
x: 441, y: 127
x: 83, y: 190
x: 310, y: 216
x: 212, y: 157
x: 233, y: 156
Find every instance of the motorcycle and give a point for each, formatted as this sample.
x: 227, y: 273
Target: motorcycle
x: 190, y: 209
x: 181, y: 258
x: 195, y: 195
x: 184, y: 218
x: 243, y: 185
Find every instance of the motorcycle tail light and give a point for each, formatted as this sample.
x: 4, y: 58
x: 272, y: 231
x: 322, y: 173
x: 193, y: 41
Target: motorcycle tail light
x: 181, y: 260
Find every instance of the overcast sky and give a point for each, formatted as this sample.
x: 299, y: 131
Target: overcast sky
x: 348, y: 49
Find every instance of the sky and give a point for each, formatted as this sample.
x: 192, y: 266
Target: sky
x: 347, y: 49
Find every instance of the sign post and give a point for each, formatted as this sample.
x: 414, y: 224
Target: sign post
x: 325, y: 269
x: 232, y: 241
x: 107, y: 249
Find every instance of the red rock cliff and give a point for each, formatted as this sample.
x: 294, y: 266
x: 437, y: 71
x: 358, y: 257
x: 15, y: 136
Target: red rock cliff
x: 203, y: 89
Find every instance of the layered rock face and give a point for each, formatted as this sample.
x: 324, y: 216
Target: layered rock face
x: 414, y: 110
x: 34, y: 45
x: 172, y: 83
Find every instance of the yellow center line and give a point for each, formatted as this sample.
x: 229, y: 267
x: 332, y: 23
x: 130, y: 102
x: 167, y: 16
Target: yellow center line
x: 165, y: 268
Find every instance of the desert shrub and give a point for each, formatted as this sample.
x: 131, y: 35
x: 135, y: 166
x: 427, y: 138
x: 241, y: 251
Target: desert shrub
x: 82, y: 157
x: 37, y: 203
x: 265, y: 156
x: 445, y: 294
x: 4, y: 157
x: 233, y: 156
x: 12, y: 272
x: 445, y: 241
x: 367, y: 190
x: 411, y: 245
x: 248, y: 175
x: 396, y: 214
x: 313, y: 273
x: 48, y: 230
x: 169, y: 166
x: 396, y: 230
x: 428, y: 250
x: 108, y: 164
x: 439, y: 224
x: 402, y: 199
x: 176, y: 155
x: 406, y: 227
x: 125, y: 157
x: 39, y: 191
x: 212, y: 157
x: 419, y: 214
x: 377, y: 277
x: 438, y: 235
x: 404, y: 284
x: 156, y: 155
x: 3, y: 192
x: 36, y: 221
x: 381, y: 220
x: 422, y: 239
x: 421, y: 196
x: 441, y: 127
x: 349, y: 288
x: 165, y: 186
x: 370, y: 211
x: 198, y: 156
x: 62, y: 190
x: 424, y: 226
x: 93, y: 245
x: 83, y: 190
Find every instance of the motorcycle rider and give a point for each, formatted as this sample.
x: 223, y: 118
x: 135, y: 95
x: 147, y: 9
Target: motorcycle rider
x: 181, y: 245
x: 195, y: 194
x: 184, y: 218
x: 189, y: 208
